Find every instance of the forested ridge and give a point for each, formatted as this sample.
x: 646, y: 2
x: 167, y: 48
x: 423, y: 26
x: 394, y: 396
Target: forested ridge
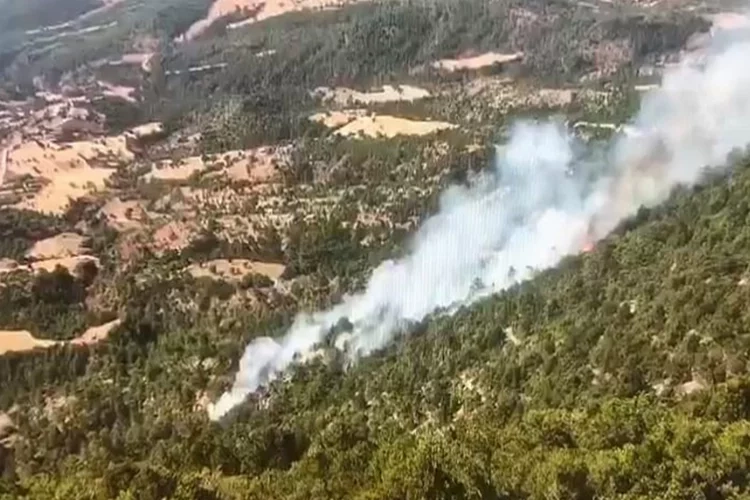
x: 572, y: 384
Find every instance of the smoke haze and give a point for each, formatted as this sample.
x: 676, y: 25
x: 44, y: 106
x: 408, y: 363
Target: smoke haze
x: 541, y: 202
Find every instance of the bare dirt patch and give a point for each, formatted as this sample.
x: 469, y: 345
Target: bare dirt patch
x: 235, y: 269
x: 96, y: 334
x: 254, y: 165
x: 62, y: 245
x: 72, y: 264
x: 56, y: 196
x: 21, y: 340
x: 46, y: 175
x: 257, y: 165
x: 124, y: 215
x: 176, y: 170
x: 391, y: 126
x: 336, y: 119
x: 476, y: 62
x: 46, y: 159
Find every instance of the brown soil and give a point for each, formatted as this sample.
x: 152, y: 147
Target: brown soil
x: 391, y: 126
x: 22, y: 340
x: 124, y: 215
x: 96, y: 334
x: 15, y: 341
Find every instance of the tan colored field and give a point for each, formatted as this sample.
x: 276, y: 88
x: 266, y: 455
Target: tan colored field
x: 96, y: 334
x: 345, y: 96
x: 235, y: 269
x: 47, y: 159
x: 177, y: 170
x: 476, y: 62
x: 258, y: 165
x: 55, y: 197
x: 391, y: 126
x: 69, y: 263
x: 336, y: 119
x: 124, y: 215
x: 65, y: 250
x: 65, y: 171
x: 62, y: 245
x: 22, y: 340
x: 15, y: 341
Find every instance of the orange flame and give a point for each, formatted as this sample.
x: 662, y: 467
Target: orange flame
x: 589, y: 241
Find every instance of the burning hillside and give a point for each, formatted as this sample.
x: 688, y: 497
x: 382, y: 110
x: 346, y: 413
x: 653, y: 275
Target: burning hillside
x: 536, y: 206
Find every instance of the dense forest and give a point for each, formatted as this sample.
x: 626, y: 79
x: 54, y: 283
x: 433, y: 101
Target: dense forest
x: 575, y: 385
x: 621, y: 373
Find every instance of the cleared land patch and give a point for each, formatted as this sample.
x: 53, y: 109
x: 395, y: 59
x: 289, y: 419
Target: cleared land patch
x: 62, y: 245
x: 124, y: 215
x: 235, y: 269
x: 254, y: 165
x: 23, y: 340
x: 476, y: 62
x: 391, y: 126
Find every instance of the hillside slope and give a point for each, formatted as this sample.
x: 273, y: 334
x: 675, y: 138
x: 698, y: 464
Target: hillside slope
x: 260, y: 171
x: 621, y: 373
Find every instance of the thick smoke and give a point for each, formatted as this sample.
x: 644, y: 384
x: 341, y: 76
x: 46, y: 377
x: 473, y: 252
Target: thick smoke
x: 545, y: 198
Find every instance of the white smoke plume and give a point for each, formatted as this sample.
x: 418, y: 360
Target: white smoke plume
x: 544, y: 200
